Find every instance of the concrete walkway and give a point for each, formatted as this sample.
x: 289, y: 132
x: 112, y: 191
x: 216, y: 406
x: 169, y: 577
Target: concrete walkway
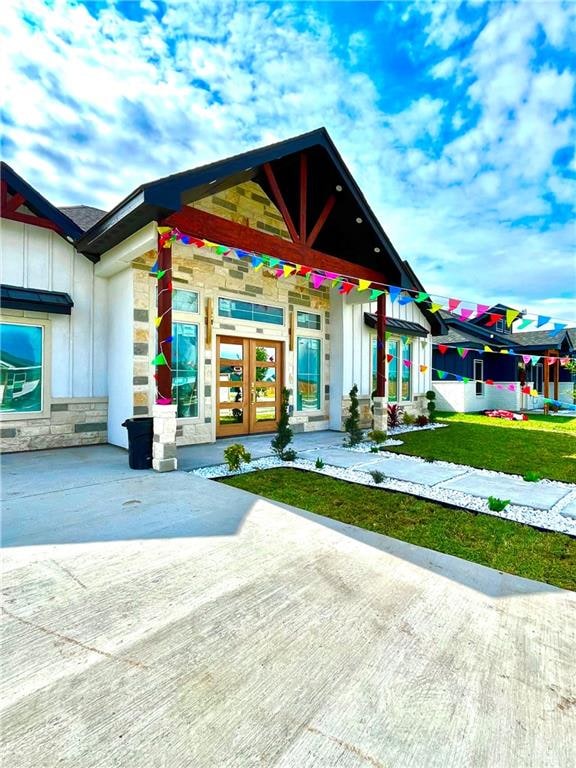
x: 173, y: 622
x: 328, y: 446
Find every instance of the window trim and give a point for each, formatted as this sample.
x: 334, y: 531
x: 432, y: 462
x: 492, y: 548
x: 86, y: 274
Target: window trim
x: 218, y: 318
x: 310, y: 411
x: 45, y: 325
x: 478, y: 380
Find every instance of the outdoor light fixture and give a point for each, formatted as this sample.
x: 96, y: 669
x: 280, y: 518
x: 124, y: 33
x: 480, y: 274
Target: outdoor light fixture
x: 376, y: 250
x: 338, y: 188
x: 358, y: 220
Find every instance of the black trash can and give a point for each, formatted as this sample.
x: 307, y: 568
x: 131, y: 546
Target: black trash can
x: 140, y: 436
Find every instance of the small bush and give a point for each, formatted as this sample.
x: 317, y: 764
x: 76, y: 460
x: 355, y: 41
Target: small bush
x: 382, y: 448
x: 531, y: 477
x: 289, y: 455
x: 421, y: 421
x: 409, y: 419
x: 374, y: 449
x: 284, y: 434
x: 352, y: 423
x: 431, y: 405
x: 377, y: 436
x: 235, y: 454
x: 319, y: 464
x: 394, y: 415
x: 497, y: 505
x: 378, y: 477
x: 429, y: 459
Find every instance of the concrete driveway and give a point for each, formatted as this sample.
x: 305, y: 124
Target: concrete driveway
x: 168, y: 621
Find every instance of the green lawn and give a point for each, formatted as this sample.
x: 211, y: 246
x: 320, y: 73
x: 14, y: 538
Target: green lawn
x: 543, y: 444
x: 492, y: 541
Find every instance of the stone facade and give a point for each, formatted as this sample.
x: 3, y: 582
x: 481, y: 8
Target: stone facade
x: 212, y: 275
x: 74, y: 421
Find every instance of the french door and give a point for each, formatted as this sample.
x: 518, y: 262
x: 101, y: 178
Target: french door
x: 249, y: 385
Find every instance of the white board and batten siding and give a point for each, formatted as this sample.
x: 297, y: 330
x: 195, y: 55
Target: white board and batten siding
x: 34, y: 257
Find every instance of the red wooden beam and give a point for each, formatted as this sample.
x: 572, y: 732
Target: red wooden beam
x: 279, y: 200
x: 303, y: 195
x: 164, y: 301
x: 15, y: 202
x: 25, y: 218
x: 381, y: 346
x: 321, y: 220
x: 3, y: 195
x: 206, y: 225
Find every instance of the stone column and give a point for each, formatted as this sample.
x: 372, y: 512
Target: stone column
x: 164, y: 445
x: 380, y: 413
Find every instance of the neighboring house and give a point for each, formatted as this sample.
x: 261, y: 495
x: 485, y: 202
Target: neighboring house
x: 462, y: 366
x: 83, y: 305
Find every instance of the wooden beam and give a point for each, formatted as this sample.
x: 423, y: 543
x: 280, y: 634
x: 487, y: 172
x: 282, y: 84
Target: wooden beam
x: 3, y: 195
x: 381, y: 346
x: 321, y: 220
x: 15, y: 202
x: 303, y: 194
x: 164, y: 301
x: 280, y: 202
x: 206, y: 225
x: 37, y: 221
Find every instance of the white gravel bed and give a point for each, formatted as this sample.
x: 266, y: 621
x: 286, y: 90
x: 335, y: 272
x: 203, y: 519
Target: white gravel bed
x: 548, y: 519
x: 365, y: 446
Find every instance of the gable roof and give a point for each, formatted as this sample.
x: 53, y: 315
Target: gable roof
x: 85, y: 216
x: 38, y: 204
x: 352, y: 231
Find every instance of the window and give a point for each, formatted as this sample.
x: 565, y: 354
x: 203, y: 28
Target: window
x: 184, y: 301
x: 479, y: 377
x: 308, y: 375
x: 245, y: 310
x: 21, y: 375
x: 185, y: 369
x: 308, y: 320
x: 398, y: 373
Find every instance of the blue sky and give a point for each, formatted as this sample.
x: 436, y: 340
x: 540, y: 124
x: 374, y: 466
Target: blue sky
x: 457, y: 119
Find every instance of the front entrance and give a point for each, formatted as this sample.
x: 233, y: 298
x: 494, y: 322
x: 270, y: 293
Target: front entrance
x: 249, y: 385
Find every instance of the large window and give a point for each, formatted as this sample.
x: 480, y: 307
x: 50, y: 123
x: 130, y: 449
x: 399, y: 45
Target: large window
x: 398, y: 373
x: 308, y: 320
x: 185, y: 369
x: 184, y: 301
x: 21, y: 377
x: 245, y: 310
x: 479, y: 377
x: 308, y: 375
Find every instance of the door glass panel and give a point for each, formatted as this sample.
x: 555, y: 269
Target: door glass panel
x: 393, y: 372
x: 265, y: 394
x: 265, y: 354
x: 308, y: 374
x: 231, y: 373
x: 265, y: 374
x: 230, y: 394
x: 231, y: 351
x: 231, y: 416
x: 185, y: 369
x: 266, y: 413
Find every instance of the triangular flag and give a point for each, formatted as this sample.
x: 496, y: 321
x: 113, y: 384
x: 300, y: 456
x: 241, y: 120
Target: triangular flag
x: 526, y: 390
x: 163, y: 401
x: 305, y: 271
x: 490, y: 382
x: 534, y: 392
x: 564, y: 360
x: 512, y: 387
x: 481, y: 309
x: 160, y: 274
x: 526, y: 359
x: 256, y: 262
x: 210, y: 244
x: 465, y: 379
x: 458, y: 378
x: 542, y: 320
x: 363, y: 285
x: 374, y: 293
x: 407, y: 363
x: 422, y: 296
x: 453, y: 304
x: 551, y: 360
x: 159, y: 359
x: 493, y: 319
x: 441, y: 374
x: 557, y: 328
x: 279, y: 272
x: 337, y: 280
x: 154, y: 268
x: 503, y: 351
x: 331, y: 276
x: 487, y: 348
x: 164, y: 230
x: 167, y: 340
x: 462, y: 351
x: 434, y: 307
x: 288, y: 270
x: 221, y: 250
x: 273, y: 262
x: 442, y: 348
x: 389, y: 358
x: 406, y: 299
x: 316, y: 279
x: 157, y: 321
x: 244, y: 254
x: 499, y: 386
x: 394, y: 292
x: 525, y: 323
x: 511, y: 315
x: 185, y: 239
x: 346, y: 287
x: 534, y: 359
x: 423, y: 368
x: 465, y: 314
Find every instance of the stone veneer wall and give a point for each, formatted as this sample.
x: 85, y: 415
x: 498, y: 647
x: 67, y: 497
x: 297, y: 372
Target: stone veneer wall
x: 212, y: 275
x: 72, y: 421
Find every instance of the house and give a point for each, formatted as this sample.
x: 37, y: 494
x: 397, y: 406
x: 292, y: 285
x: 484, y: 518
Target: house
x: 198, y: 298
x: 482, y: 364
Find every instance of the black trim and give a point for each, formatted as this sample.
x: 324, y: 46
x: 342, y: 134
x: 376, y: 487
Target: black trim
x: 35, y: 300
x: 401, y: 327
x: 38, y: 204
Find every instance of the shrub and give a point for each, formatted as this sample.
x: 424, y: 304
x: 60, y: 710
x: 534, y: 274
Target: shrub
x: 289, y: 455
x: 531, y: 476
x: 319, y: 464
x: 352, y: 423
x: 408, y: 419
x: 377, y: 436
x: 421, y: 421
x: 394, y: 415
x: 382, y: 448
x: 431, y: 405
x: 284, y: 434
x: 497, y: 505
x: 235, y: 454
x: 378, y: 477
x: 374, y: 449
